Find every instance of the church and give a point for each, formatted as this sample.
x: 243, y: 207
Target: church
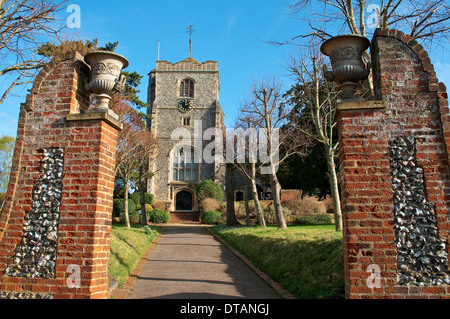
x: 181, y: 94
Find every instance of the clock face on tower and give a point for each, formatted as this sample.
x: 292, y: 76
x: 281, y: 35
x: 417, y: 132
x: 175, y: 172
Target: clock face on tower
x: 185, y: 105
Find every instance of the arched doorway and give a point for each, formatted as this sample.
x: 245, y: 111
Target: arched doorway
x: 184, y: 201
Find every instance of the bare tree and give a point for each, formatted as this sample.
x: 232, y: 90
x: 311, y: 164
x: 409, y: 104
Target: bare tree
x: 134, y: 147
x: 318, y: 97
x: 425, y: 21
x: 264, y: 109
x: 248, y: 166
x: 24, y: 26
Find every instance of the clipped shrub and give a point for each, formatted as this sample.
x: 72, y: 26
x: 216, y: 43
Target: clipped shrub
x: 159, y: 216
x: 209, y: 189
x: 136, y: 197
x: 148, y: 208
x: 328, y: 202
x: 149, y: 198
x: 239, y: 210
x: 134, y: 217
x: 271, y: 218
x: 210, y: 205
x: 306, y: 206
x: 319, y: 219
x: 211, y: 218
x: 119, y: 207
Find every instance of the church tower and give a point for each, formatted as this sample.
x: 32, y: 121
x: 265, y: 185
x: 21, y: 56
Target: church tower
x: 181, y: 94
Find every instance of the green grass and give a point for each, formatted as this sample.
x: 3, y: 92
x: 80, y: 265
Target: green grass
x: 127, y: 247
x: 305, y: 260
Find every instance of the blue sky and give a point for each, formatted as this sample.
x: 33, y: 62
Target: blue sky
x: 232, y: 32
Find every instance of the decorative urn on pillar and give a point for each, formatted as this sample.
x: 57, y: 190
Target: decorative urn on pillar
x: 345, y: 53
x: 105, y: 75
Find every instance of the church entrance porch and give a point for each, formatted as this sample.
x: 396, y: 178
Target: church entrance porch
x: 184, y: 201
x: 184, y: 207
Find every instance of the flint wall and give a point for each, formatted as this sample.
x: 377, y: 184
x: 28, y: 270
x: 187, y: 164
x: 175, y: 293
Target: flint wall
x: 55, y: 227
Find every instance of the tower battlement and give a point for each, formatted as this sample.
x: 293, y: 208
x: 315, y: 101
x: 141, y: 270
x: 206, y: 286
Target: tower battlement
x: 188, y: 64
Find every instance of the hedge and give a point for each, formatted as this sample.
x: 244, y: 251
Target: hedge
x: 319, y: 219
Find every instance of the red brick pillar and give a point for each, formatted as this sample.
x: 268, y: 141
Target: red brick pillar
x: 55, y: 227
x: 394, y: 157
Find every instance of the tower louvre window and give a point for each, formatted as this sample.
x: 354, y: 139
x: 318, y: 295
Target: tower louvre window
x: 187, y: 88
x: 186, y: 121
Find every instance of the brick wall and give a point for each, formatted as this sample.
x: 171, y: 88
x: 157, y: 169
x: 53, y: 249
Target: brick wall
x: 42, y: 249
x: 412, y: 106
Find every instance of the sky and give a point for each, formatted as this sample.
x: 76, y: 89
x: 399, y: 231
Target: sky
x: 235, y: 33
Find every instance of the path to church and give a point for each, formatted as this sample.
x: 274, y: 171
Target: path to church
x: 189, y: 263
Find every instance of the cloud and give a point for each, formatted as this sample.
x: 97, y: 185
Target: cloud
x: 231, y: 22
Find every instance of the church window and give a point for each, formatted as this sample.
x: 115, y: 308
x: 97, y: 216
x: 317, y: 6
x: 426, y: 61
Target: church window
x: 184, y: 169
x: 187, y: 88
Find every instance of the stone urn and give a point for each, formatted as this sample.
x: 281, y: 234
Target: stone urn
x: 105, y: 75
x: 348, y: 69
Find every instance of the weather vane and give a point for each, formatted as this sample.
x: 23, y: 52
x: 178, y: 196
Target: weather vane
x: 190, y: 31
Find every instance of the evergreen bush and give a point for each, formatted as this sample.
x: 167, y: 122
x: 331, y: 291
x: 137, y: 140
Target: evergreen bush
x: 136, y: 198
x: 270, y: 216
x: 211, y: 218
x: 209, y: 189
x: 159, y: 216
x: 149, y: 198
x: 119, y: 207
x: 148, y: 208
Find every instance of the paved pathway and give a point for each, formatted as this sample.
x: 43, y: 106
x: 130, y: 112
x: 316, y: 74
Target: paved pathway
x: 189, y: 263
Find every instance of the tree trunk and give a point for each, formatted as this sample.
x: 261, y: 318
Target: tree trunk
x: 276, y: 190
x: 334, y: 184
x: 229, y: 189
x: 246, y: 199
x: 142, y: 197
x: 125, y: 198
x: 259, y: 213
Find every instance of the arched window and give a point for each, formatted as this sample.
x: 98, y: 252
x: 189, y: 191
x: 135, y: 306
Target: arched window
x: 184, y: 169
x: 187, y: 88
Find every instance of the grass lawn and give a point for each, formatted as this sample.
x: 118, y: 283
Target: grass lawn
x: 306, y: 260
x: 127, y: 247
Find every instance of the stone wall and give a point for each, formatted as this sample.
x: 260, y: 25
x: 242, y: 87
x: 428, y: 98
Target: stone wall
x: 56, y: 223
x: 394, y: 158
